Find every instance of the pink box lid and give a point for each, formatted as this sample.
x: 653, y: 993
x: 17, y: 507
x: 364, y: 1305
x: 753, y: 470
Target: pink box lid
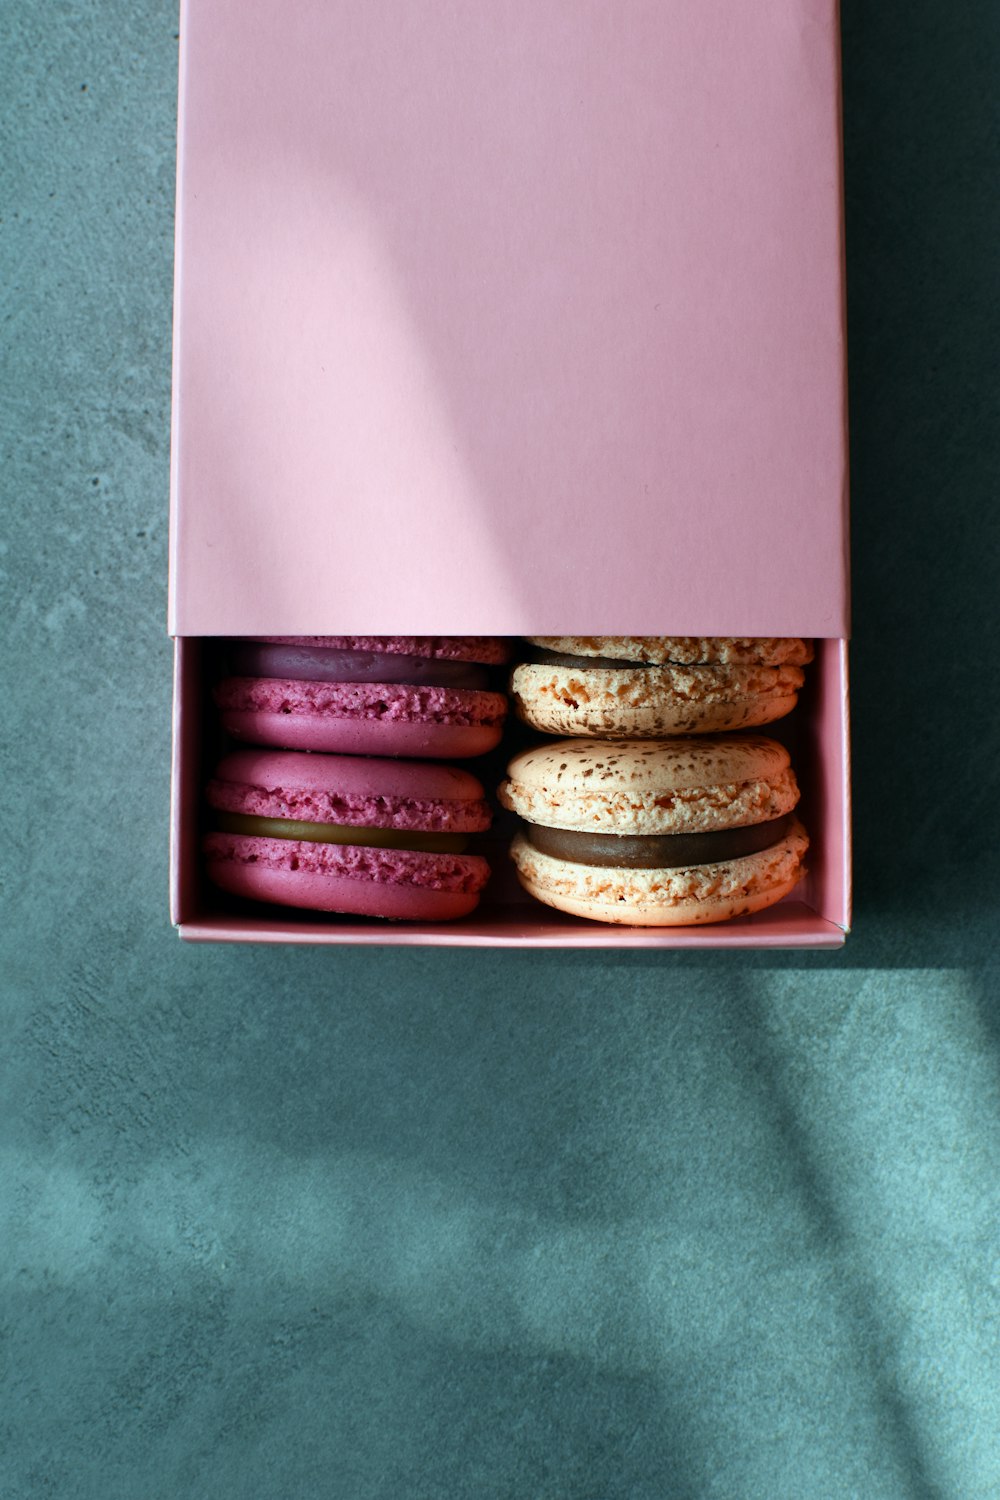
x: 511, y: 317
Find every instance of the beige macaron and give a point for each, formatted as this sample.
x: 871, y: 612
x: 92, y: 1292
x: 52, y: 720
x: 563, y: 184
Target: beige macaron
x: 632, y: 687
x: 656, y: 833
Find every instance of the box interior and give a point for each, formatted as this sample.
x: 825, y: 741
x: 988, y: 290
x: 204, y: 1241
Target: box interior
x: 816, y: 915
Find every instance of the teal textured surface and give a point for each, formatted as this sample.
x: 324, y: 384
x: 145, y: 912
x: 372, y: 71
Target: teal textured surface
x: 382, y: 1223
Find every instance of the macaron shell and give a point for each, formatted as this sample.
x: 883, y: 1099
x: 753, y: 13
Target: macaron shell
x: 649, y: 701
x: 363, y: 791
x: 692, y: 896
x: 690, y: 649
x: 394, y: 883
x: 677, y: 785
x: 361, y: 718
x: 347, y: 737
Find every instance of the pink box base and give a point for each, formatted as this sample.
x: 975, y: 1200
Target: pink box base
x: 817, y: 916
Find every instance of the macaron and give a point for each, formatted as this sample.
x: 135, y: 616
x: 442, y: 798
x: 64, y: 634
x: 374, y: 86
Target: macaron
x: 338, y: 833
x: 636, y: 686
x: 656, y: 833
x: 423, y: 696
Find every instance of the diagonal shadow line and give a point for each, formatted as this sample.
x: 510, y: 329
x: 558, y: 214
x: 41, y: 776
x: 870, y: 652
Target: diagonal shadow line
x: 872, y: 1346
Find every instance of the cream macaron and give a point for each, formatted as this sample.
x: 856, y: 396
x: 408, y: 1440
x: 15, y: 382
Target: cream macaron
x: 629, y: 687
x: 656, y: 833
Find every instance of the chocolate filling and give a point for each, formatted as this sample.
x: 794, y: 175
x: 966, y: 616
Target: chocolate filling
x: 544, y: 658
x: 657, y: 851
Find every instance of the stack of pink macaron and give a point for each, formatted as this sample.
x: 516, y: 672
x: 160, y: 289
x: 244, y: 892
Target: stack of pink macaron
x: 658, y: 809
x: 346, y: 805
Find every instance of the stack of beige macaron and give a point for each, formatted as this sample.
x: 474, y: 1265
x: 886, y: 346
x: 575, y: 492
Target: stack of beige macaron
x: 660, y: 809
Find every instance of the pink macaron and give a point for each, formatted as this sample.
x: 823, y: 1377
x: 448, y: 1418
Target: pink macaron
x: 423, y: 696
x: 339, y: 833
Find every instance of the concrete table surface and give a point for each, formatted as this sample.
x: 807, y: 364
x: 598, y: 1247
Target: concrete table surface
x: 427, y: 1224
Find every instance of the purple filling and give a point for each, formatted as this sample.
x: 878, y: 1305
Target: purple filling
x: 321, y: 664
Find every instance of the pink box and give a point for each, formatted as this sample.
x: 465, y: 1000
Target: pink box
x: 512, y: 318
